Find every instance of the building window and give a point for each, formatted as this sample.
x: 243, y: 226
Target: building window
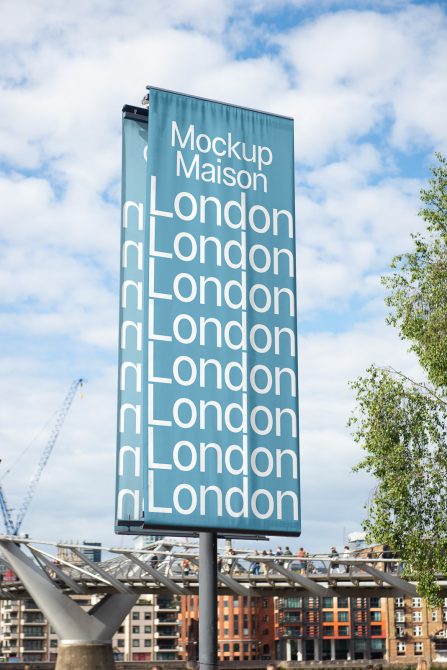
x: 417, y: 631
x: 148, y: 643
x: 417, y: 616
x: 376, y: 616
x: 226, y: 647
x: 135, y: 643
x: 342, y: 603
x: 444, y: 616
x: 434, y: 615
x: 266, y: 618
x: 148, y: 629
x: 328, y: 616
x: 343, y: 616
x: 400, y: 617
x: 265, y: 603
x: 135, y: 629
x: 376, y: 630
x: 327, y: 602
x: 120, y: 642
x: 147, y: 616
x: 401, y: 648
x: 328, y: 631
x: 236, y: 647
x: 135, y: 616
x: 343, y: 631
x: 374, y: 602
x: 399, y: 602
x: 416, y: 602
x: 291, y: 603
x: 418, y: 648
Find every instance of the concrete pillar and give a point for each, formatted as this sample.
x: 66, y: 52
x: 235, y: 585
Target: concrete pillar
x: 288, y: 650
x: 332, y: 650
x: 86, y: 637
x: 350, y: 655
x: 299, y: 650
x: 86, y: 656
x: 317, y: 655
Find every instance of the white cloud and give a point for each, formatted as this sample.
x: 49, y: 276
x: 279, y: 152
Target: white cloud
x: 355, y: 71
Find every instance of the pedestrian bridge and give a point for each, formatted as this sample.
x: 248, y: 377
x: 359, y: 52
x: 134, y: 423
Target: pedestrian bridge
x: 171, y: 566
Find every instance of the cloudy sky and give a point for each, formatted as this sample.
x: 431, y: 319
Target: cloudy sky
x: 365, y: 82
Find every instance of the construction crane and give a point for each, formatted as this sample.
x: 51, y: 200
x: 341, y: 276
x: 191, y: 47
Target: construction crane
x: 12, y: 527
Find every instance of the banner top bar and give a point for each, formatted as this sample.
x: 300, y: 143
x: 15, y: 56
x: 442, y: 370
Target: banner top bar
x: 220, y: 102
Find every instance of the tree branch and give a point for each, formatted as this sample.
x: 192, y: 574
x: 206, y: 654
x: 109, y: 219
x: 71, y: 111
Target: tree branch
x: 421, y: 385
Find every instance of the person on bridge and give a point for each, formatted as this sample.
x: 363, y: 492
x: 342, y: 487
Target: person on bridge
x: 287, y: 552
x: 301, y: 564
x: 278, y: 552
x: 334, y: 554
x: 255, y: 566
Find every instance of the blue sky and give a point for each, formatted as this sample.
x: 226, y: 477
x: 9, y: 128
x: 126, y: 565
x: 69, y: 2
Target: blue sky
x: 365, y: 83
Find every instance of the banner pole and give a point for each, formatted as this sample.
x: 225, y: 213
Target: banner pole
x: 208, y: 601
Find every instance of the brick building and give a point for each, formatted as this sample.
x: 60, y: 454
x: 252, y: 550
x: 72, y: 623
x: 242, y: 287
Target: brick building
x: 416, y: 630
x: 309, y: 628
x: 246, y: 628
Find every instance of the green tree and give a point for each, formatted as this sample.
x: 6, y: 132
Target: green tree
x: 401, y: 423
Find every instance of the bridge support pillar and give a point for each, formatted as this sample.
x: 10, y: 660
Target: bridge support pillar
x: 88, y: 656
x: 85, y: 637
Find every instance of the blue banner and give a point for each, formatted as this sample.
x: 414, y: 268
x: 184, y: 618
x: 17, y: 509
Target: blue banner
x: 220, y: 410
x: 131, y: 382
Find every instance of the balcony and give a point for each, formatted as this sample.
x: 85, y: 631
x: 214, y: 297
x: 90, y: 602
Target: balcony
x: 167, y: 632
x: 167, y: 618
x: 290, y: 618
x: 290, y: 632
x: 29, y: 604
x: 167, y: 606
x: 167, y: 648
x: 33, y: 618
x: 32, y: 649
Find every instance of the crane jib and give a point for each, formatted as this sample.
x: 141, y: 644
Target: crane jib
x: 11, y: 527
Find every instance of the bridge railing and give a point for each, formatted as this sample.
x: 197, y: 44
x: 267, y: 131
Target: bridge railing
x: 173, y: 566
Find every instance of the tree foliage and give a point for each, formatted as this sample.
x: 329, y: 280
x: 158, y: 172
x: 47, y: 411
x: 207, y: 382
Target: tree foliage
x: 401, y: 423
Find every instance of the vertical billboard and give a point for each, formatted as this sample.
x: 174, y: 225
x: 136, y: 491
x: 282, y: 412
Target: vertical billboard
x: 131, y: 382
x: 209, y: 438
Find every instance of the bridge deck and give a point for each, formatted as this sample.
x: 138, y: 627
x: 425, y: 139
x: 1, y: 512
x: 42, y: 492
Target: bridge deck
x: 172, y: 567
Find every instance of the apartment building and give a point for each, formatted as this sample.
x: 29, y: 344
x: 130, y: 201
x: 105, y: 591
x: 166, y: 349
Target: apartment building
x: 417, y: 630
x: 309, y: 628
x: 246, y: 628
x: 149, y: 632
